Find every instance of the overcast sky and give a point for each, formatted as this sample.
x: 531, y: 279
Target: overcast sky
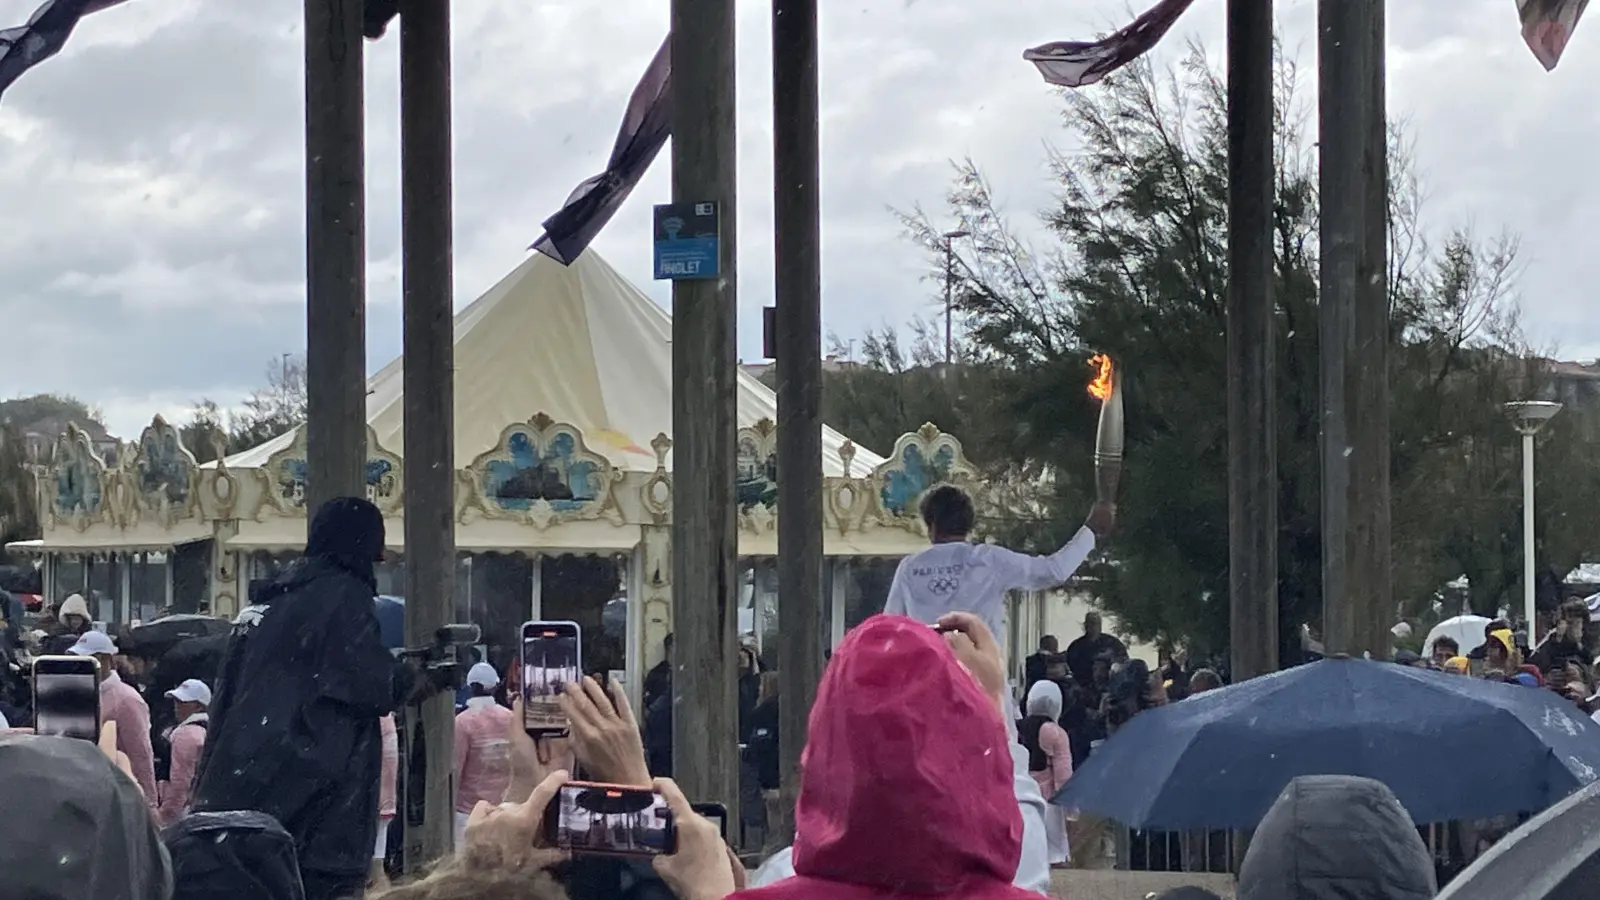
x: 151, y: 176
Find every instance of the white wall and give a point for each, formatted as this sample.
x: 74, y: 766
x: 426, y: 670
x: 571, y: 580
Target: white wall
x: 1061, y: 613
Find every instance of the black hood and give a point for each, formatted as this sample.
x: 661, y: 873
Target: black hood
x: 347, y: 534
x: 1337, y: 837
x: 79, y: 829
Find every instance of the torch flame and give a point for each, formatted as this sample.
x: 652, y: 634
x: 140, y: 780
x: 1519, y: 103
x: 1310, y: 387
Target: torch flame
x: 1100, y: 385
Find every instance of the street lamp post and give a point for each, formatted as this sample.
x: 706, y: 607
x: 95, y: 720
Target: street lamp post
x: 1529, y: 416
x: 949, y: 290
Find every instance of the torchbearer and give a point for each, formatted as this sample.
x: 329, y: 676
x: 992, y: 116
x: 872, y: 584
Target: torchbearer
x: 956, y: 575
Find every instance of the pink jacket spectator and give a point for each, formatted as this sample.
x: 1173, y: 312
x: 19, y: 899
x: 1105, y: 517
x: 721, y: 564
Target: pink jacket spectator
x: 1044, y: 700
x: 483, y: 755
x: 1053, y: 741
x: 388, y: 784
x: 188, y: 740
x: 120, y: 703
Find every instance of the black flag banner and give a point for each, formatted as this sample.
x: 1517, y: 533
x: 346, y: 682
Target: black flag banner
x: 645, y: 128
x: 25, y: 46
x: 1078, y: 63
x: 1547, y: 25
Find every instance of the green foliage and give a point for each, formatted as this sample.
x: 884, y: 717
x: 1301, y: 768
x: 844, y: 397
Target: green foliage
x: 266, y: 413
x: 892, y: 388
x: 19, y: 512
x: 1138, y: 270
x: 26, y: 412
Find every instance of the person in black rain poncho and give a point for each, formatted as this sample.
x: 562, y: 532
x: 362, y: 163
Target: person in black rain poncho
x: 294, y: 721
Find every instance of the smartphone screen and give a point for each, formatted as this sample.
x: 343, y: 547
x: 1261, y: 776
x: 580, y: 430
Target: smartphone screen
x: 551, y: 660
x: 610, y: 819
x: 66, y: 696
x: 717, y: 813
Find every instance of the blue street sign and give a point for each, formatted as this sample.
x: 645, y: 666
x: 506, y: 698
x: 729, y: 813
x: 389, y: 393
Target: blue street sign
x: 688, y: 241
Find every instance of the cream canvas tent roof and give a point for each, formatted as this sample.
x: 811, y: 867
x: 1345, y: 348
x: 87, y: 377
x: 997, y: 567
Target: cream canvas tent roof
x: 579, y: 343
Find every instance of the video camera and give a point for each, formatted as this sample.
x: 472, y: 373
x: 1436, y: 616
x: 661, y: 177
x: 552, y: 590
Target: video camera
x: 445, y: 661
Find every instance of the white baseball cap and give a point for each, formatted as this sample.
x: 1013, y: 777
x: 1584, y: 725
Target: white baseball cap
x: 94, y: 643
x: 484, y: 675
x: 192, y: 690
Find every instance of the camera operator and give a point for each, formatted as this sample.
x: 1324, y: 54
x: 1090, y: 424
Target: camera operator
x: 294, y: 729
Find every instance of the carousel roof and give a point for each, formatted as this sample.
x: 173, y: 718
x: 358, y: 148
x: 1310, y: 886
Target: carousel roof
x: 578, y: 343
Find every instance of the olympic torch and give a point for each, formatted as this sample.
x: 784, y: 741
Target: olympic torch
x: 1107, y: 388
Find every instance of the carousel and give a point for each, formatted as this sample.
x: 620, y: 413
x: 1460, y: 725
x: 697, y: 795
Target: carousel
x: 563, y: 504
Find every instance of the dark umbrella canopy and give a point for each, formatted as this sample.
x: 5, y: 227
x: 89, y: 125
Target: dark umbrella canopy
x: 160, y: 635
x: 1450, y: 747
x: 1554, y: 856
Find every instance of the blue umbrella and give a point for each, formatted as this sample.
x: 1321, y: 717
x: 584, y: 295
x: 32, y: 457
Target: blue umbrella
x: 391, y: 620
x: 1449, y: 746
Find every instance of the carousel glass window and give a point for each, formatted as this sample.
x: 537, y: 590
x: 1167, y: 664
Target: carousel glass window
x: 500, y: 598
x: 147, y: 585
x: 105, y: 588
x: 866, y: 588
x: 71, y: 572
x: 587, y: 590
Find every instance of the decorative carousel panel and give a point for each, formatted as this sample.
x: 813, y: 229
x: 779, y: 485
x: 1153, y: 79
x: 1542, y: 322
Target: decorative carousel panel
x: 758, y: 466
x: 542, y: 472
x: 923, y: 459
x: 286, y: 473
x: 164, y: 475
x: 76, y: 481
x: 656, y: 495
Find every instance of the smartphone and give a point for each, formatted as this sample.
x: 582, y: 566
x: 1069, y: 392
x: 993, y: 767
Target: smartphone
x: 609, y: 820
x: 66, y: 696
x: 717, y: 813
x: 551, y: 659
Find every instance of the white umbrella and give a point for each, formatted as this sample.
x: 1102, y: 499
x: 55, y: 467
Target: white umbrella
x: 1466, y: 630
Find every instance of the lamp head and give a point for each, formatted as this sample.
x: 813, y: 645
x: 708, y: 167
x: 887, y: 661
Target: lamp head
x: 958, y: 233
x: 1530, y: 415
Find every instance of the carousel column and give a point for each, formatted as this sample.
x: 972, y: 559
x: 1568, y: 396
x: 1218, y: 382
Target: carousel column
x: 704, y: 404
x: 336, y: 271
x: 797, y: 251
x: 429, y: 354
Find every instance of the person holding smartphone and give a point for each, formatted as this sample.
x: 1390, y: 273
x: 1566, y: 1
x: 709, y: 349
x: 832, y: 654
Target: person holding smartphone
x: 965, y: 811
x: 120, y: 703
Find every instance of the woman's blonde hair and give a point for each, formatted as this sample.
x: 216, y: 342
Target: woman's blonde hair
x: 459, y: 879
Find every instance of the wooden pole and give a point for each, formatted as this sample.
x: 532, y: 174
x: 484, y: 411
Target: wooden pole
x: 1252, y: 338
x: 797, y: 252
x: 429, y: 435
x: 704, y: 403
x: 336, y: 266
x: 1354, y: 327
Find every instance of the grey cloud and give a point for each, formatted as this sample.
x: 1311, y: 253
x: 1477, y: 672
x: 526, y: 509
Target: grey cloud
x: 189, y: 291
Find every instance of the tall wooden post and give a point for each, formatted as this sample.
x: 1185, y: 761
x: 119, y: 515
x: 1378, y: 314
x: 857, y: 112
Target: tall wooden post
x: 429, y: 436
x: 1252, y: 340
x: 336, y: 264
x: 1354, y: 327
x: 704, y: 401
x: 797, y: 252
